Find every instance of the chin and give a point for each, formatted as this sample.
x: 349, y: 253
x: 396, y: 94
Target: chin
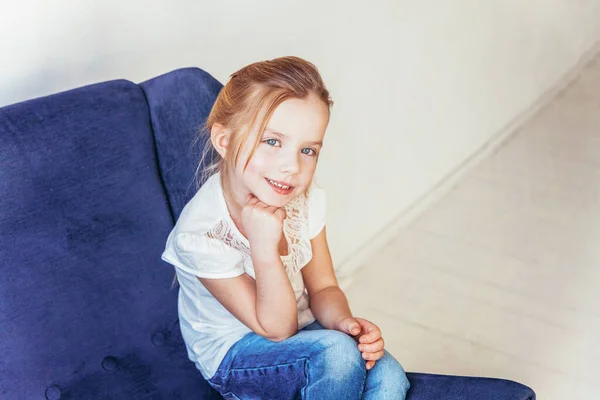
x: 274, y: 199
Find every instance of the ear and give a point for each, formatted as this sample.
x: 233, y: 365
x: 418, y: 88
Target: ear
x: 219, y: 137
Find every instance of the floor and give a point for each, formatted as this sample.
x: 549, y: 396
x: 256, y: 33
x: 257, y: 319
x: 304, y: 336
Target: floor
x: 501, y: 278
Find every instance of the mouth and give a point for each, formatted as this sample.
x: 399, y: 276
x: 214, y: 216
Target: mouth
x: 280, y: 187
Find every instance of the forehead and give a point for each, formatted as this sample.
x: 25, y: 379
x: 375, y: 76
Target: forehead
x: 300, y: 119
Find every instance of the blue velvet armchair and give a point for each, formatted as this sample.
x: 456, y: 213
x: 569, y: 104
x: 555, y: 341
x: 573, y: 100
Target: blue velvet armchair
x: 91, y: 182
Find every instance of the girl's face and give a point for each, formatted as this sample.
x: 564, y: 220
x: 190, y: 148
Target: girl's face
x: 285, y: 160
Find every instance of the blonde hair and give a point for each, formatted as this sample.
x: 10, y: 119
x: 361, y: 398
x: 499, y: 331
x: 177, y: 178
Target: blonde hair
x: 247, y: 101
x: 245, y: 104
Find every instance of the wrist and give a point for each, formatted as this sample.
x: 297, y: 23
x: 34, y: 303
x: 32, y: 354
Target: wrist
x: 331, y: 308
x: 264, y: 254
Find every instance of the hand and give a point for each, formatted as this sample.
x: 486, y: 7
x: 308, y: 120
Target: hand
x: 263, y: 225
x: 370, y: 342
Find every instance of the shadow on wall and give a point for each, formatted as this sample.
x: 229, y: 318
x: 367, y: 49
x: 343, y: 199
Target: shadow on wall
x: 50, y: 79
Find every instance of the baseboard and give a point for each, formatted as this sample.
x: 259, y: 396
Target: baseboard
x: 358, y: 259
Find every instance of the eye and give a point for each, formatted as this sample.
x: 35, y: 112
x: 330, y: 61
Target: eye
x: 309, y: 152
x: 272, y: 142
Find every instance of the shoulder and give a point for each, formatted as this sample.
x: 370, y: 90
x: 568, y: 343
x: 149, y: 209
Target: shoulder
x: 316, y: 208
x: 192, y: 245
x: 189, y: 245
x: 202, y: 256
x: 204, y: 210
x: 315, y: 194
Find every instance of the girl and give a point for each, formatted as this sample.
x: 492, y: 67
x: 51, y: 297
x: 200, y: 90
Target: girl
x: 260, y: 309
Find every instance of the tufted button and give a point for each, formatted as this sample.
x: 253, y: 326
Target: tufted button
x: 53, y: 393
x: 109, y: 363
x: 158, y: 339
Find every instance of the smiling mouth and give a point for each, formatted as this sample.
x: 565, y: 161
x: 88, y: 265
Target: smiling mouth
x: 282, y: 186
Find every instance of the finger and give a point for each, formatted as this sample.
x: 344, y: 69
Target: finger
x: 280, y: 213
x: 251, y: 200
x: 372, y: 347
x: 262, y: 205
x: 370, y: 364
x: 367, y: 325
x: 373, y: 356
x: 353, y: 328
x: 371, y: 336
x: 349, y: 326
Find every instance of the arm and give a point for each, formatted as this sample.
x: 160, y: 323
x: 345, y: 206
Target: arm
x: 327, y: 301
x: 266, y: 305
x: 330, y: 305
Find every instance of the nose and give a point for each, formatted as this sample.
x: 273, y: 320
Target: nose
x: 289, y: 164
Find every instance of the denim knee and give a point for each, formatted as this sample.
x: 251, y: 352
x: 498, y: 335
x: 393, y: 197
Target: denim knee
x: 341, y: 358
x: 387, y: 380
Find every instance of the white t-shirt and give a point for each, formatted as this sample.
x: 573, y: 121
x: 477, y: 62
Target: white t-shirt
x: 206, y: 243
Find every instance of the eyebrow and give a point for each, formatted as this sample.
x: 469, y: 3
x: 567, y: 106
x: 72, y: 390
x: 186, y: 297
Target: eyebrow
x: 281, y: 135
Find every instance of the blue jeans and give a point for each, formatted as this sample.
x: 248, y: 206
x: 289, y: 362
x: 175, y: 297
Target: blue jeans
x: 314, y: 364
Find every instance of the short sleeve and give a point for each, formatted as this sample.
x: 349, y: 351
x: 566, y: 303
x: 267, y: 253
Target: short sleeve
x: 203, y: 256
x: 316, y: 211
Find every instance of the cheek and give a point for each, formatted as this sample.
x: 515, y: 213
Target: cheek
x: 309, y: 164
x: 308, y: 171
x: 257, y: 163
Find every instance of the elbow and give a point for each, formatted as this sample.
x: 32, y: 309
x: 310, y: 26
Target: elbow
x: 279, y: 338
x: 283, y: 334
x: 278, y: 328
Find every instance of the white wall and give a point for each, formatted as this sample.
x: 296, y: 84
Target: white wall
x: 418, y: 86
